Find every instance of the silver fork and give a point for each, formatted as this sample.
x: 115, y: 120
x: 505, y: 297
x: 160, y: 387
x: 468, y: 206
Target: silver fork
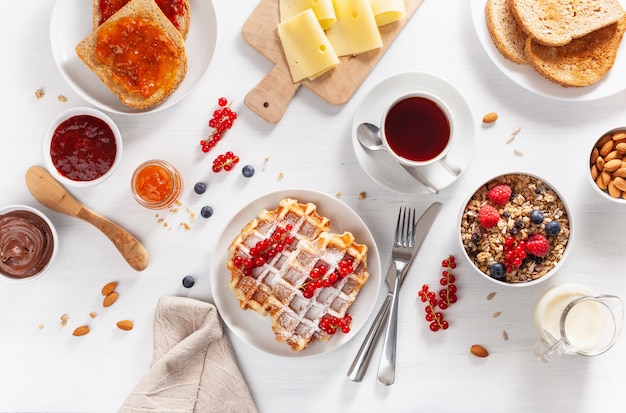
x: 400, y: 255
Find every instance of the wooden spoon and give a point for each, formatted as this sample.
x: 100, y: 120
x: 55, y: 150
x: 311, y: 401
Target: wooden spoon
x: 52, y: 194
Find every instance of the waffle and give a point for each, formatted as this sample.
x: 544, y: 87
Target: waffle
x: 253, y: 290
x: 276, y: 287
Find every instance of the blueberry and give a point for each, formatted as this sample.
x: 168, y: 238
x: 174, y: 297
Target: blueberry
x: 199, y: 187
x: 206, y: 211
x: 188, y: 281
x: 536, y: 216
x: 553, y: 228
x: 475, y: 237
x: 497, y: 271
x: 248, y: 171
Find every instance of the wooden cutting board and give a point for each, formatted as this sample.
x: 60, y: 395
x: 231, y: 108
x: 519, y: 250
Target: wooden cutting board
x: 271, y: 96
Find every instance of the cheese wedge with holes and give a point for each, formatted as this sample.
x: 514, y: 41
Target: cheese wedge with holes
x: 307, y: 49
x: 387, y: 11
x: 356, y: 30
x: 323, y: 9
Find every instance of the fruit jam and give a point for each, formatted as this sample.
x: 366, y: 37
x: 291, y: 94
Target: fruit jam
x: 156, y: 184
x: 83, y: 148
x: 142, y: 57
x: 173, y: 9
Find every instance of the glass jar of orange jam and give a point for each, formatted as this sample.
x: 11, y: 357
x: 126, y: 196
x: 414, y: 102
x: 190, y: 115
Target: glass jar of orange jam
x: 156, y: 184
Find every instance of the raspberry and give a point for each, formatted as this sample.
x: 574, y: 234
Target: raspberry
x: 537, y: 245
x: 488, y: 216
x: 499, y: 194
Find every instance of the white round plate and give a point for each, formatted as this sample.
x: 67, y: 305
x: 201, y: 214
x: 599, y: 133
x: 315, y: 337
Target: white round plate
x: 72, y: 22
x: 525, y: 76
x: 381, y: 167
x: 256, y: 329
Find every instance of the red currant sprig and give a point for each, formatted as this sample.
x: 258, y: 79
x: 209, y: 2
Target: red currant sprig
x: 319, y: 278
x: 264, y: 250
x: 330, y: 324
x: 222, y: 120
x: 447, y: 296
x: 225, y: 161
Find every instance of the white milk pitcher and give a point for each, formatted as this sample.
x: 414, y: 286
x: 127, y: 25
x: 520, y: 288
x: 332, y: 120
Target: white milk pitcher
x: 571, y: 319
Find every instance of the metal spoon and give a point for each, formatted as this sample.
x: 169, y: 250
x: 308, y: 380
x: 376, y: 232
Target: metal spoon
x: 369, y: 137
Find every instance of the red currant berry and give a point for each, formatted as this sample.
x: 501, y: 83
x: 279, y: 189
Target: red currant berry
x: 222, y: 101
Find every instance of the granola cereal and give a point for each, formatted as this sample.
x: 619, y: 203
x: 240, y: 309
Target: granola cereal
x: 485, y: 246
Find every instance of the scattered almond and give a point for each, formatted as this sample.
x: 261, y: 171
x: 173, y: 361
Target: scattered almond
x: 490, y: 117
x: 497, y: 314
x: 110, y: 299
x: 80, y: 331
x: 505, y: 335
x: 125, y: 325
x: 109, y: 288
x: 479, y: 351
x: 491, y: 295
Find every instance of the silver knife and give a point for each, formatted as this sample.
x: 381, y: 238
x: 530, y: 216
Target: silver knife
x: 361, y: 361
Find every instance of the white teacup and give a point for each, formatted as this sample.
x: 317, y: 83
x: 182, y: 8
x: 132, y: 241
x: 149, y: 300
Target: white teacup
x: 417, y: 130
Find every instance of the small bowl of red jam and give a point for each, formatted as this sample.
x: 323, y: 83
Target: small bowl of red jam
x: 82, y: 147
x: 28, y: 243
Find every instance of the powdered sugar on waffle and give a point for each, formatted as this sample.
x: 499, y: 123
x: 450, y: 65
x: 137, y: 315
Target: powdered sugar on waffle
x: 275, y: 287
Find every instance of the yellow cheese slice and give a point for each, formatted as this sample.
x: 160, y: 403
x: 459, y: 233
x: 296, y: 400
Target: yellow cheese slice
x: 323, y: 9
x: 387, y: 11
x: 355, y: 30
x: 307, y: 49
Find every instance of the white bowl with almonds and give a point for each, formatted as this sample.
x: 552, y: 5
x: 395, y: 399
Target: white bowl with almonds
x: 607, y: 165
x: 515, y: 229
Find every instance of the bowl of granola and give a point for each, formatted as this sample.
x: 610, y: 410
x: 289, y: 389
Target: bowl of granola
x: 607, y: 165
x: 515, y: 229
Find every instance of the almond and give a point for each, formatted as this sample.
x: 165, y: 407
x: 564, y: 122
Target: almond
x: 620, y: 183
x: 607, y: 148
x: 594, y: 155
x: 490, y: 117
x: 621, y: 148
x: 612, y: 155
x: 600, y: 182
x: 80, y: 331
x: 603, y: 140
x: 109, y: 288
x: 621, y: 172
x: 110, y: 299
x: 125, y: 325
x: 619, y: 135
x: 612, y: 165
x: 600, y: 163
x: 594, y: 172
x: 479, y: 351
x: 613, y: 190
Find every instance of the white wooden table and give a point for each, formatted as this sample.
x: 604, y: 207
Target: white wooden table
x: 49, y: 370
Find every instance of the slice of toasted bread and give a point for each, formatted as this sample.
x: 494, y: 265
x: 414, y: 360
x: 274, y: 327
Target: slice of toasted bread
x: 581, y: 62
x: 557, y: 22
x: 154, y: 72
x: 177, y: 11
x: 506, y: 34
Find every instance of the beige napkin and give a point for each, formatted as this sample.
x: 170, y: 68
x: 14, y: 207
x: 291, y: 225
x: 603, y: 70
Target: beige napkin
x: 193, y: 366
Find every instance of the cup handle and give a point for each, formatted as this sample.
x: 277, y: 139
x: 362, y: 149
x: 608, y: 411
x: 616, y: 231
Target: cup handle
x: 546, y: 352
x: 450, y: 165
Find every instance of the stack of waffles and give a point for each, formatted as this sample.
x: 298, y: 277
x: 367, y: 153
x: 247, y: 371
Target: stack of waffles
x: 275, y: 285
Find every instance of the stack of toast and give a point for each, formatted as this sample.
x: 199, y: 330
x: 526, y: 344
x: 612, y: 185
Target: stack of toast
x: 573, y: 43
x: 137, y: 51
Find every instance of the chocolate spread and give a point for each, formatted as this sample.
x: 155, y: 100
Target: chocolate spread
x: 26, y: 244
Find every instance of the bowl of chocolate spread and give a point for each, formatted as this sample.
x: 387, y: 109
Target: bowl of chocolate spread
x: 28, y: 243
